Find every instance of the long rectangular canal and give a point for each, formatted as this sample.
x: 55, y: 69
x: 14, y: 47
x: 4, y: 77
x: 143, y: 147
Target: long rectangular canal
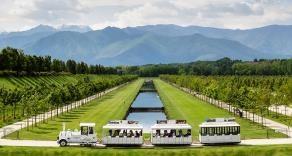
x: 147, y: 107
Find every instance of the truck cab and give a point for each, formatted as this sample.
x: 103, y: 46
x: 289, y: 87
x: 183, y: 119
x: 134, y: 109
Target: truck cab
x: 85, y: 136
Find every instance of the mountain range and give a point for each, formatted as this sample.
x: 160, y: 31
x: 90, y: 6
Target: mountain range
x: 152, y: 44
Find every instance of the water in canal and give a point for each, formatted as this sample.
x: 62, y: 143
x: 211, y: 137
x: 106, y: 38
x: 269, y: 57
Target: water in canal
x: 147, y: 99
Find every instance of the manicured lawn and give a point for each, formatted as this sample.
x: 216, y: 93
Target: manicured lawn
x: 110, y: 107
x: 202, y: 151
x: 180, y: 105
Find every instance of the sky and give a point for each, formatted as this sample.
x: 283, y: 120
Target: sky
x: 17, y: 15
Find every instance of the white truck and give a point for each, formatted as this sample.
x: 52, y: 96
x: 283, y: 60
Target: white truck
x: 86, y: 135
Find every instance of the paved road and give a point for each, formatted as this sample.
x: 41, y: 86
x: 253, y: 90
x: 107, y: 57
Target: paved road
x: 22, y: 124
x: 34, y: 143
x: 282, y: 110
x: 279, y: 127
x: 266, y: 141
x: 7, y: 142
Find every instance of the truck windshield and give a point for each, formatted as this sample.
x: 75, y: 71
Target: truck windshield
x: 84, y: 130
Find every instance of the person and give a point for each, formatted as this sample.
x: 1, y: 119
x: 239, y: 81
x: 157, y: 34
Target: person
x: 165, y: 133
x: 157, y: 132
x: 110, y: 132
x: 180, y: 133
x: 131, y: 134
x: 117, y: 132
x: 137, y: 135
x: 123, y: 134
x: 173, y: 132
x: 188, y: 133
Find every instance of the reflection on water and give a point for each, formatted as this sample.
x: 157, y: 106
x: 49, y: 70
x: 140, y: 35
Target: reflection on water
x: 147, y: 99
x: 147, y: 119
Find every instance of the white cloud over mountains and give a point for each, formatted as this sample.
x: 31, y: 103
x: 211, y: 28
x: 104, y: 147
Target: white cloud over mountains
x: 20, y: 14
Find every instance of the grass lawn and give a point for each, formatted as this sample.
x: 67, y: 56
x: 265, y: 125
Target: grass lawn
x: 180, y: 105
x: 110, y: 107
x: 201, y: 151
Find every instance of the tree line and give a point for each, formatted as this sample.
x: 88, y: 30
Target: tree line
x: 249, y: 93
x: 14, y: 61
x: 28, y: 102
x: 224, y: 66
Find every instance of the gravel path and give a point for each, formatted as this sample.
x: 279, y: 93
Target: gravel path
x: 34, y: 143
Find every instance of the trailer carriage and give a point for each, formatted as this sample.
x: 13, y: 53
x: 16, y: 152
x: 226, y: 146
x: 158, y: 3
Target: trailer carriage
x: 122, y: 132
x: 219, y: 130
x: 171, y: 132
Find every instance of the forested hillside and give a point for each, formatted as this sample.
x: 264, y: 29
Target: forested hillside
x: 223, y: 66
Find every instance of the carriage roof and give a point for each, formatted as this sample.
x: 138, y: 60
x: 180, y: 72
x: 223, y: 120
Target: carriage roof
x: 220, y: 122
x: 123, y: 124
x: 171, y: 124
x: 87, y: 124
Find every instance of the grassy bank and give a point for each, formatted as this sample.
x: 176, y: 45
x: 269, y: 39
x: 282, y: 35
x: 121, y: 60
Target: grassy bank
x: 110, y: 107
x: 202, y: 151
x: 180, y: 105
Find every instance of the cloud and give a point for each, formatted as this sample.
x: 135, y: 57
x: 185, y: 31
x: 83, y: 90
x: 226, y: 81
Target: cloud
x: 19, y: 14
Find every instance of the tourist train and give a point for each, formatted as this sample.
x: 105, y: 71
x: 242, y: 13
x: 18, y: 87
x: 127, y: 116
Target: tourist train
x: 164, y: 132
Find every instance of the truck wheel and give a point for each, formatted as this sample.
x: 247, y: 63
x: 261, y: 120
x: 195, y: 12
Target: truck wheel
x: 63, y: 143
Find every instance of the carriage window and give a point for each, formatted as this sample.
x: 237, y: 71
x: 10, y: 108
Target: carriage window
x: 219, y: 131
x: 227, y: 130
x: 90, y: 130
x: 203, y: 131
x: 212, y: 129
x: 237, y: 130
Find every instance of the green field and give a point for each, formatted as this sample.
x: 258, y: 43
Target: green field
x: 180, y: 105
x: 110, y: 107
x: 16, y: 112
x: 12, y: 82
x: 275, y: 150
